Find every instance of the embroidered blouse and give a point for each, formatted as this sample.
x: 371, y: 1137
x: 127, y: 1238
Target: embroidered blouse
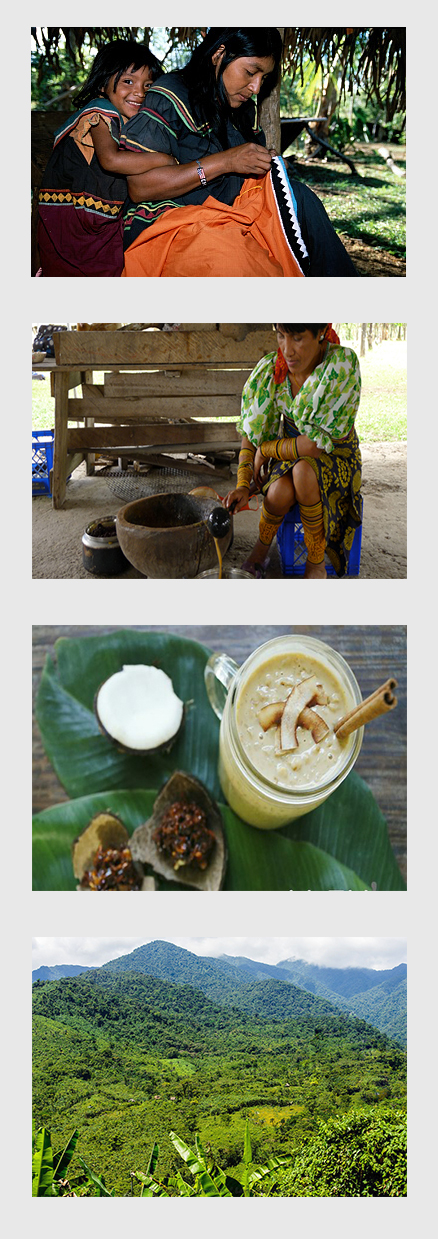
x: 324, y: 409
x: 165, y: 123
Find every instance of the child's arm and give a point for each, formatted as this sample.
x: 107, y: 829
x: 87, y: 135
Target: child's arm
x: 157, y: 183
x: 119, y: 161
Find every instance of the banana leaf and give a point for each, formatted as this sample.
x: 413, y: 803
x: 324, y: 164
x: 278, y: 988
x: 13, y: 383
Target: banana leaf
x: 84, y: 760
x: 257, y: 859
x: 62, y: 1160
x: 343, y: 845
x: 42, y: 1164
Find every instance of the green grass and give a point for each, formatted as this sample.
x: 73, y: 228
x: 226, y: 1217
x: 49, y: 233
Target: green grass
x: 370, y: 207
x: 383, y: 410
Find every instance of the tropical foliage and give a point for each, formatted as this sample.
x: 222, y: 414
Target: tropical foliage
x: 125, y: 1058
x: 356, y: 1155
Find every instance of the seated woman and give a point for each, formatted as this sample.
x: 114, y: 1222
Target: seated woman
x: 226, y: 205
x: 313, y: 384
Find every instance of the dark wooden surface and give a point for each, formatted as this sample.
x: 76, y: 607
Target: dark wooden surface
x: 374, y: 653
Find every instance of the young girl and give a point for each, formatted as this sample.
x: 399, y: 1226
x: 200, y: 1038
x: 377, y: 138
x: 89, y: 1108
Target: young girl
x: 80, y: 226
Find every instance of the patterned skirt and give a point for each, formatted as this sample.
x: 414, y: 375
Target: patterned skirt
x: 339, y: 475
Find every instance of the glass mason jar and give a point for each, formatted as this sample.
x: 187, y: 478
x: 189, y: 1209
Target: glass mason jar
x: 253, y: 796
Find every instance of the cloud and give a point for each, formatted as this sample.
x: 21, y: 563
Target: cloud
x: 333, y: 952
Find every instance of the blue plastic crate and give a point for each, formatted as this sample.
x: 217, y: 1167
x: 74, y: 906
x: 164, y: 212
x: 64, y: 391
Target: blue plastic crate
x: 293, y: 552
x: 42, y: 461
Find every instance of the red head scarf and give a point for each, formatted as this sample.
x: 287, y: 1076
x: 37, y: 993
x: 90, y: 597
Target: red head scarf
x: 281, y: 370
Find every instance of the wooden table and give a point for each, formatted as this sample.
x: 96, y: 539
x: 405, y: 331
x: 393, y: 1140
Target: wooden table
x: 374, y: 653
x: 163, y: 392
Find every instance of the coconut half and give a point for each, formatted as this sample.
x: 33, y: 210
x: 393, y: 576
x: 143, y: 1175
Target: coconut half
x: 183, y: 787
x: 138, y: 709
x: 104, y: 831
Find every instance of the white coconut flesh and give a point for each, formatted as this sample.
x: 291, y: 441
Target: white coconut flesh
x: 138, y: 707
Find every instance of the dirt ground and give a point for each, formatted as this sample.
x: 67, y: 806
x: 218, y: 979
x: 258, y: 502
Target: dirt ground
x: 57, y: 546
x: 371, y: 261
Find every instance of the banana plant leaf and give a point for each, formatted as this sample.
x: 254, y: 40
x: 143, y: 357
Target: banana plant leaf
x: 42, y: 1164
x: 257, y: 859
x: 343, y: 845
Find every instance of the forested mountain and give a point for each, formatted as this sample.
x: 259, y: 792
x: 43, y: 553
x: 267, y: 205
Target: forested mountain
x: 376, y: 995
x: 56, y: 971
x: 126, y: 1057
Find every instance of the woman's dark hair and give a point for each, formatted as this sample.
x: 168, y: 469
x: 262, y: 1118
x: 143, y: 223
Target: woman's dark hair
x: 289, y: 328
x: 113, y: 60
x: 207, y: 93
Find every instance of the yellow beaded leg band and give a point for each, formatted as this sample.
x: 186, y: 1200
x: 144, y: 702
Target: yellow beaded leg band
x: 245, y: 467
x: 244, y: 476
x: 268, y: 526
x: 313, y: 530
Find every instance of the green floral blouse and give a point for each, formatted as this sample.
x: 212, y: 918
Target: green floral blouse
x: 324, y: 409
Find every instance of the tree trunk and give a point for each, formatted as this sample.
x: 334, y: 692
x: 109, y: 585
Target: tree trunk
x: 363, y: 338
x: 326, y: 109
x: 270, y: 115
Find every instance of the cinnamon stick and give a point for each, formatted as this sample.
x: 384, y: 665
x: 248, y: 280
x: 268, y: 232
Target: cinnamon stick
x: 377, y: 703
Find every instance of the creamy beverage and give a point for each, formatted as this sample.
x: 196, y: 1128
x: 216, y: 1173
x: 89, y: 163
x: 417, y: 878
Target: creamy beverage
x: 310, y: 763
x: 278, y: 755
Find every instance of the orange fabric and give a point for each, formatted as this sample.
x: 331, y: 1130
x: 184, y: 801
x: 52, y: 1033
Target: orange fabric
x: 81, y: 133
x: 215, y: 239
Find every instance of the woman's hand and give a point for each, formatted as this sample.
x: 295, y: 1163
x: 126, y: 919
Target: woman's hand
x: 239, y: 497
x: 249, y: 159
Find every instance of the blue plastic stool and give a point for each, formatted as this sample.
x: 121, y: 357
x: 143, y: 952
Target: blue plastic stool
x: 293, y: 551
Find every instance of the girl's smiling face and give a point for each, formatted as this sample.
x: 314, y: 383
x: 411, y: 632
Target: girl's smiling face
x: 301, y: 350
x: 243, y: 78
x: 130, y: 91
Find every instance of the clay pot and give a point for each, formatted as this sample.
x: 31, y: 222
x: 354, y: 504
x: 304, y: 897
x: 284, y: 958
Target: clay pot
x: 166, y: 535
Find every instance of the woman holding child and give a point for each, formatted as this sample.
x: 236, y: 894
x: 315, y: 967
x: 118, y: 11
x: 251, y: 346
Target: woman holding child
x: 206, y: 196
x: 182, y: 170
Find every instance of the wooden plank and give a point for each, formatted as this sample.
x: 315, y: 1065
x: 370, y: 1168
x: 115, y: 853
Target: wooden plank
x: 60, y: 445
x: 97, y: 438
x: 73, y: 461
x: 87, y: 379
x: 175, y: 382
x: 204, y: 471
x: 147, y: 453
x: 97, y: 348
x: 89, y: 404
x: 74, y: 380
x: 178, y: 449
x: 119, y: 411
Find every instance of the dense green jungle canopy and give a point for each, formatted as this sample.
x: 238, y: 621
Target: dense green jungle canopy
x: 126, y: 1058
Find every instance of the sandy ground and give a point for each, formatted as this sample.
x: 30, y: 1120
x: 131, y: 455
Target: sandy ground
x: 57, y: 547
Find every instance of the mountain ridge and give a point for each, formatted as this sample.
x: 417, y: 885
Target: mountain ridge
x: 377, y: 997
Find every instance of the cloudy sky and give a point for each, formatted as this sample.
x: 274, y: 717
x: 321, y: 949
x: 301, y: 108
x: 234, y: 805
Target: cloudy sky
x: 338, y: 952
